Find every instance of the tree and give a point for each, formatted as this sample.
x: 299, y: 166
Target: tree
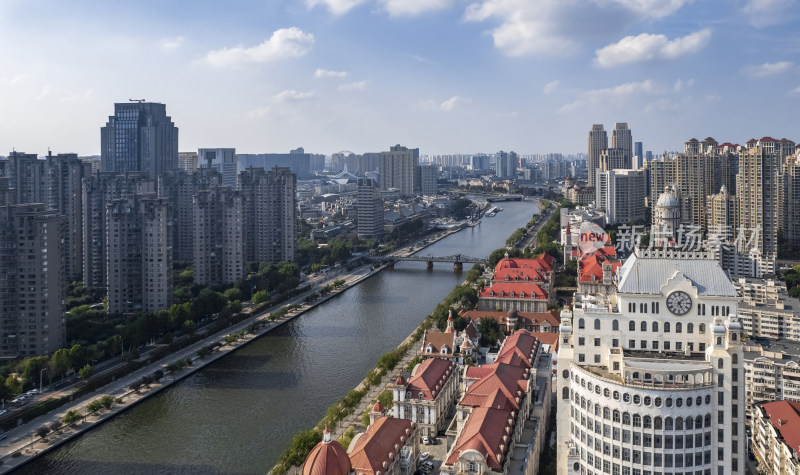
x: 260, y: 296
x: 135, y: 386
x: 86, y: 372
x: 489, y: 330
x: 42, y: 431
x: 301, y: 445
x: 94, y: 406
x: 107, y: 401
x: 386, y: 398
x: 233, y: 294
x: 71, y: 417
x: 13, y: 384
x: 55, y: 426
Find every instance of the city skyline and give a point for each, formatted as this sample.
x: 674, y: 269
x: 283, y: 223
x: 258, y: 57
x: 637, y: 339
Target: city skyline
x: 445, y: 76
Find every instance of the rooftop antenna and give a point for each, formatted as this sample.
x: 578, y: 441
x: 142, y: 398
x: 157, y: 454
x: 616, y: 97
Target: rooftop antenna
x: 137, y: 100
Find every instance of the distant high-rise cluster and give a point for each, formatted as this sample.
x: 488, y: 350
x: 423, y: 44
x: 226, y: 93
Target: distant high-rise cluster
x: 121, y: 228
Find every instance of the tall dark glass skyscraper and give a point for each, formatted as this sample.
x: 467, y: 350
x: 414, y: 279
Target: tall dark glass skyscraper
x: 140, y: 136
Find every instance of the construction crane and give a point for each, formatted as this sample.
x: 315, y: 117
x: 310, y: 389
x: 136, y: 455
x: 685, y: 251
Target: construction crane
x: 137, y: 100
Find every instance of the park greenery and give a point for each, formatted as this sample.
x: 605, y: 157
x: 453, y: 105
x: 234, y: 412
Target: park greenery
x: 792, y: 278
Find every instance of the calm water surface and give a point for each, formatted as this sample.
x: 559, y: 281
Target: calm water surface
x: 239, y: 413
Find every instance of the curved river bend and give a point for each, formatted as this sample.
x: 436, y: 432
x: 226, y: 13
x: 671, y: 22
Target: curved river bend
x: 238, y: 414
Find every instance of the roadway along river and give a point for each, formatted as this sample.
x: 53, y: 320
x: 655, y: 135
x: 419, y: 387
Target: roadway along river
x: 238, y: 414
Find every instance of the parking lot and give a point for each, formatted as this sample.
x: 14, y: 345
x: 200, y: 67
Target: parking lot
x: 437, y: 452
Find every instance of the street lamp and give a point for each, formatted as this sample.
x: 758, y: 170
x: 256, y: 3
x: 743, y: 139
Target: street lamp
x: 41, y: 373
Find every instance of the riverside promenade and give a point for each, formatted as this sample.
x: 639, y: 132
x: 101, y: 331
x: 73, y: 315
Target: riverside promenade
x: 22, y: 444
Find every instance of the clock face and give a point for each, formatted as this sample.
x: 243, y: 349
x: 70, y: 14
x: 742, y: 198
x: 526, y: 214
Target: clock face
x: 679, y: 302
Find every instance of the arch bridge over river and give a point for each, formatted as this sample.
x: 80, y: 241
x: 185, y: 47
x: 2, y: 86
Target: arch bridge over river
x: 457, y: 260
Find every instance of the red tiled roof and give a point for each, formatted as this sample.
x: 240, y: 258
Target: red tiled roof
x: 785, y: 417
x: 548, y: 338
x: 373, y: 447
x: 430, y: 372
x: 471, y: 330
x: 518, y: 348
x: 529, y: 289
x: 526, y: 318
x: 709, y: 139
x: 483, y: 432
x: 693, y: 140
x: 767, y: 139
x: 327, y: 459
x: 542, y: 261
x: 592, y: 265
x: 509, y: 379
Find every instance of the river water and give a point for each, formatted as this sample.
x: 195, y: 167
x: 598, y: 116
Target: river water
x: 238, y: 414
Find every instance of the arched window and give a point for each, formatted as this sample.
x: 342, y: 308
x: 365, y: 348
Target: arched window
x: 615, y: 416
x: 606, y: 413
x: 735, y: 359
x: 655, y: 327
x: 679, y: 327
x: 596, y: 323
x: 702, y: 328
x: 581, y: 324
x: 583, y: 402
x: 643, y: 326
x: 565, y: 374
x: 632, y: 326
x: 719, y: 340
x: 597, y: 410
x: 689, y: 423
x: 668, y: 423
x: 657, y: 423
x: 698, y: 422
x: 648, y: 422
x: 637, y: 420
x: 626, y: 418
x: 615, y: 325
x: 666, y: 327
x: 690, y: 328
x: 565, y: 393
x: 678, y: 423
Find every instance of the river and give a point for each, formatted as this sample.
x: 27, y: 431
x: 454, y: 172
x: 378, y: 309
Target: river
x: 238, y: 414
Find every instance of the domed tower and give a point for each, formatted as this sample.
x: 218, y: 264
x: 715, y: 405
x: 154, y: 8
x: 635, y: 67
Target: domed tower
x: 327, y: 458
x: 512, y: 320
x: 378, y: 411
x: 667, y: 213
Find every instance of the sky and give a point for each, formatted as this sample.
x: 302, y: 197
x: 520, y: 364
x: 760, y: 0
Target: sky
x: 447, y: 76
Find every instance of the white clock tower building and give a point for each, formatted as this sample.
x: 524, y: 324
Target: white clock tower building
x: 650, y: 379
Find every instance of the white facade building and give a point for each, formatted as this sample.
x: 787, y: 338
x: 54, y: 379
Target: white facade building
x: 651, y: 379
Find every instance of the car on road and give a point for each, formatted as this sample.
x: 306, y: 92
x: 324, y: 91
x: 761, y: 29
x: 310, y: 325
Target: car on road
x: 424, y: 456
x: 3, y: 411
x: 426, y: 466
x: 3, y: 436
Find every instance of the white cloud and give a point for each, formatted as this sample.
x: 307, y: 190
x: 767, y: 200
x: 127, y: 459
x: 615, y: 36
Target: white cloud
x: 422, y: 59
x: 645, y: 47
x: 414, y: 7
x: 284, y: 43
x: 552, y: 27
x: 172, y: 43
x: 451, y: 103
x: 337, y: 7
x: 79, y: 96
x: 291, y: 95
x: 795, y: 91
x: 762, y: 13
x: 46, y: 90
x: 354, y: 86
x: 611, y: 95
x: 680, y: 84
x: 551, y: 87
x: 768, y: 69
x: 445, y: 106
x: 15, y: 81
x: 257, y: 113
x: 324, y: 73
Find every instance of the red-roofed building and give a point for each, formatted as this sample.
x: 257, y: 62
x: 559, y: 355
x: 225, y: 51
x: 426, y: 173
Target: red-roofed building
x: 520, y: 296
x: 776, y: 437
x: 482, y: 446
x: 327, y: 458
x: 493, y: 414
x: 427, y: 396
x: 388, y: 447
x: 513, y: 320
x: 596, y: 271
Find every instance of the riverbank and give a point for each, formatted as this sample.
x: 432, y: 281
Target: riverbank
x: 23, y: 441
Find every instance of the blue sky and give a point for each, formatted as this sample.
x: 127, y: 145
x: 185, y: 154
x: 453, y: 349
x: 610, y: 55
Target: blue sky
x: 447, y: 76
